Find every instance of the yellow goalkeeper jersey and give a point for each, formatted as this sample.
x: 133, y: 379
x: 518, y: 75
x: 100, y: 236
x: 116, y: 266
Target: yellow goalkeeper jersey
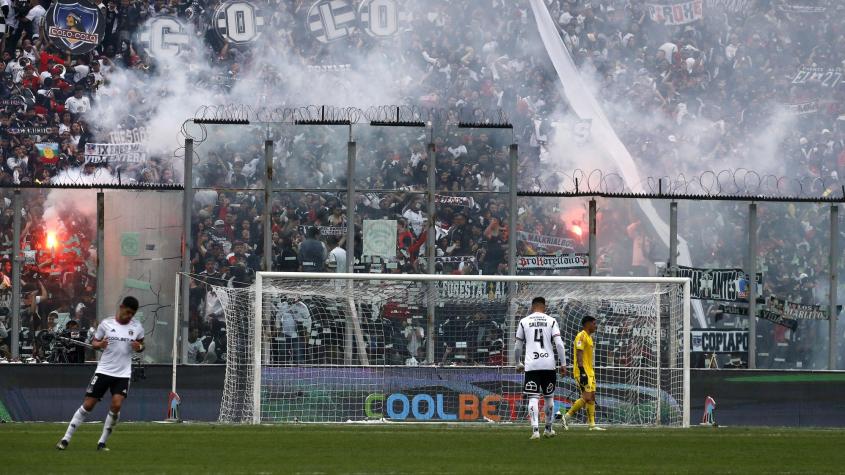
x: 583, y: 342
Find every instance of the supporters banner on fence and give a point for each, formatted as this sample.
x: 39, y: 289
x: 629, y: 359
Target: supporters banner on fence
x: 542, y: 240
x: 719, y: 341
x: 103, y: 153
x: 777, y: 318
x: 676, y: 14
x: 568, y: 261
x: 719, y: 284
x: 796, y: 311
x: 464, y: 289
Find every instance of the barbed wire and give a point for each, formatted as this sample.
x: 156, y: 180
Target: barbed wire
x: 740, y: 182
x: 321, y: 114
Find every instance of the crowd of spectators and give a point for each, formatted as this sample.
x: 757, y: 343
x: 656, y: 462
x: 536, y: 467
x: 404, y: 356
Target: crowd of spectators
x: 691, y: 97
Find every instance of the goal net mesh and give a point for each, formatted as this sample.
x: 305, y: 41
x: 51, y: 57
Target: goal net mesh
x: 334, y: 350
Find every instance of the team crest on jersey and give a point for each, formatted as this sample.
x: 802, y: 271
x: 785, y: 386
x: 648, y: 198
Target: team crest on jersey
x: 131, y: 332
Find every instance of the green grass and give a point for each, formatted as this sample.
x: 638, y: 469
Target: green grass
x: 378, y: 448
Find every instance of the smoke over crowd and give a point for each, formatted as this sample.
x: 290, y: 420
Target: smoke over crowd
x: 742, y: 89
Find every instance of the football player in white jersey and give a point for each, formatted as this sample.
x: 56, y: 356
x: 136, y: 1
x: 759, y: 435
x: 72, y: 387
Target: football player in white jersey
x: 537, y: 333
x: 118, y: 337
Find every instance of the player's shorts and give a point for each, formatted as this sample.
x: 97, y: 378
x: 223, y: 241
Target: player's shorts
x: 590, y: 387
x: 102, y: 382
x: 540, y: 382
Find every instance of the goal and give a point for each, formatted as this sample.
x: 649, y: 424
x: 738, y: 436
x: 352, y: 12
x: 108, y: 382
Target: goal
x: 313, y: 347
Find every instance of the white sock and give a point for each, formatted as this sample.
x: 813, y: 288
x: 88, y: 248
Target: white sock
x: 77, y: 420
x: 534, y: 412
x: 111, y: 421
x: 548, y: 411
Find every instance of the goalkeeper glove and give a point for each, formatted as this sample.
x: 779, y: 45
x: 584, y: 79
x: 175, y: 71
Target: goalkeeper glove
x: 582, y: 379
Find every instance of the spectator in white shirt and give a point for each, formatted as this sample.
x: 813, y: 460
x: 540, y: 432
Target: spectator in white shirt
x: 78, y: 104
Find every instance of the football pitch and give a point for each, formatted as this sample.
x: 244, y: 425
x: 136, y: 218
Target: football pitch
x: 394, y: 448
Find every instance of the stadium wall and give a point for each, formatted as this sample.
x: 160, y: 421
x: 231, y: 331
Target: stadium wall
x: 743, y: 398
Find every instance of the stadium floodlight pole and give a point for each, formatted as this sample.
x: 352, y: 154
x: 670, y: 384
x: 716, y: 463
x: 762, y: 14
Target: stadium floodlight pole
x: 834, y: 271
x: 187, y: 242
x: 17, y: 208
x: 751, y: 270
x: 430, y: 253
x: 267, y: 220
x: 101, y: 249
x: 513, y: 206
x: 592, y: 238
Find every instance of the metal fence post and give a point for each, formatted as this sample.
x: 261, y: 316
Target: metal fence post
x: 834, y: 271
x: 751, y: 270
x: 187, y: 243
x: 17, y: 207
x: 593, y: 237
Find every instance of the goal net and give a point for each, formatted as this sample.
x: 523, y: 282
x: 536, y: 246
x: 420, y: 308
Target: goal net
x: 303, y: 347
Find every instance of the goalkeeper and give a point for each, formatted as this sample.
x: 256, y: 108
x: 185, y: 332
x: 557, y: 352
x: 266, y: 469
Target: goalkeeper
x: 583, y: 373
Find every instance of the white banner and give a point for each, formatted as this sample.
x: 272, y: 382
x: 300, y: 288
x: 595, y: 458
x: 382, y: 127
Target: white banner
x: 379, y: 237
x: 735, y: 6
x: 804, y: 108
x: 566, y: 261
x: 719, y: 341
x: 136, y: 135
x: 103, y: 153
x: 825, y: 77
x: 325, y: 230
x: 463, y: 201
x: 545, y: 241
x: 676, y: 14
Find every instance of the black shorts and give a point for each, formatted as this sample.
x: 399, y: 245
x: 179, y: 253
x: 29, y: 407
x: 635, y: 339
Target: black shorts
x: 538, y: 382
x: 102, y: 382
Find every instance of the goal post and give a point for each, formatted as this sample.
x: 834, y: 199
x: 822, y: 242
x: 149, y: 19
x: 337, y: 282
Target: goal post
x: 333, y: 347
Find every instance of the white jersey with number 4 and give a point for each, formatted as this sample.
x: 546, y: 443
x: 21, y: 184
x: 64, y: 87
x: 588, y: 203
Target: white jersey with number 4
x: 538, y: 331
x: 117, y: 357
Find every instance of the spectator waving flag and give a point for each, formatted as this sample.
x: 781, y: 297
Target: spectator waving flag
x: 48, y: 152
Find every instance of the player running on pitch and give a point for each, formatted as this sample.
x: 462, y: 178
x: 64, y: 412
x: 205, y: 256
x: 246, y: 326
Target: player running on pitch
x: 582, y: 371
x: 537, y: 332
x: 118, y: 337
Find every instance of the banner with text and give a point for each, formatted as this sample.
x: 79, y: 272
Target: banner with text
x: 825, y: 77
x: 676, y: 14
x: 104, y: 153
x: 541, y: 240
x: 719, y: 284
x: 719, y: 341
x: 566, y: 261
